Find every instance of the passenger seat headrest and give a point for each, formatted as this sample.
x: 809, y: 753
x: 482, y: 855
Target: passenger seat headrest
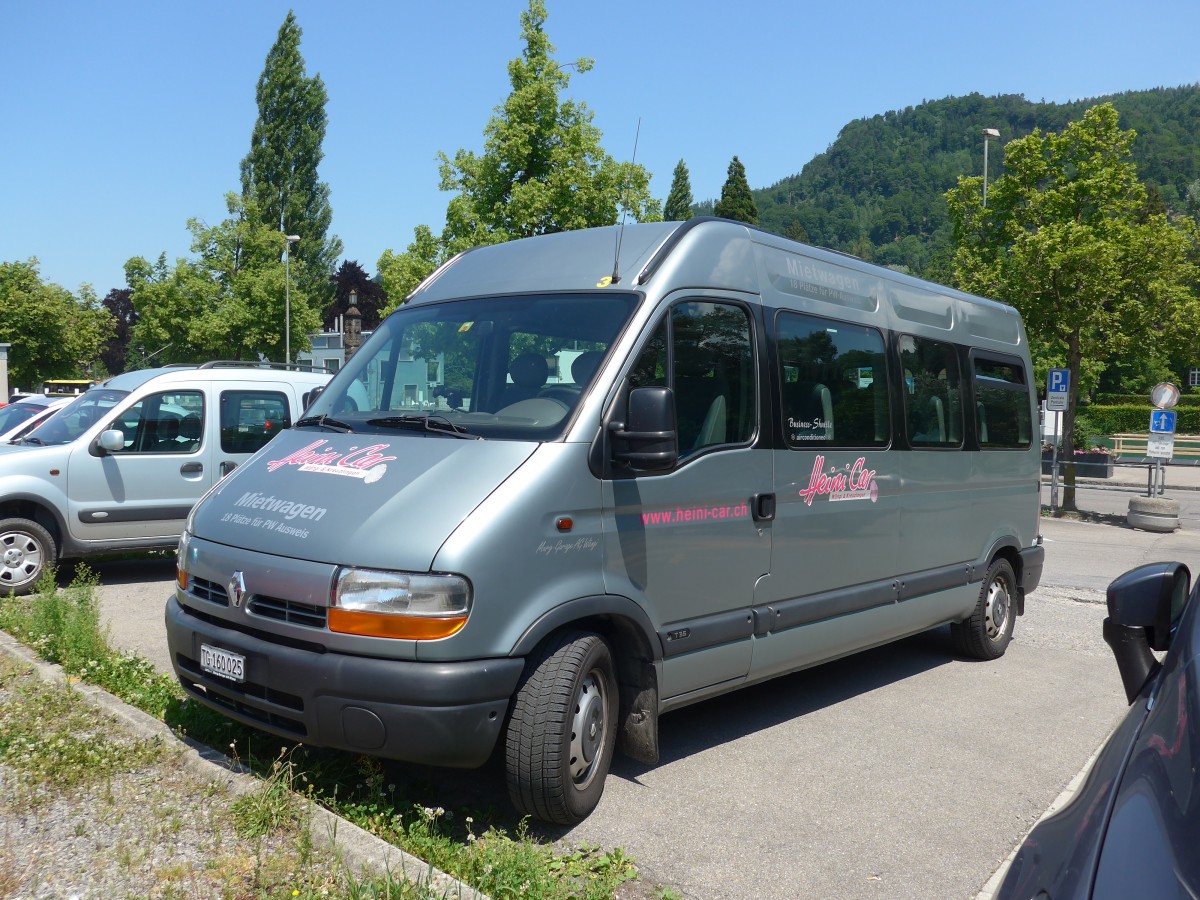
x: 585, y: 365
x: 529, y: 370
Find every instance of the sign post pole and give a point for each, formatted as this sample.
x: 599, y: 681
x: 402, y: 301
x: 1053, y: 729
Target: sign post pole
x: 1058, y: 393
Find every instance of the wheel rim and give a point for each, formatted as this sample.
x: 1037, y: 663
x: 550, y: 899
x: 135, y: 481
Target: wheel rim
x: 996, y: 611
x: 589, y: 728
x: 20, y: 557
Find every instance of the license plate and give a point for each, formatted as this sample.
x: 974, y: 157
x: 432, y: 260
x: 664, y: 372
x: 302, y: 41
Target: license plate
x: 222, y: 663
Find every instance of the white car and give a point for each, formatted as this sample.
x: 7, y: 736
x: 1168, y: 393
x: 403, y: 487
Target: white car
x: 22, y: 416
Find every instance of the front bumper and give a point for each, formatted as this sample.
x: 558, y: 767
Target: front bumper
x: 433, y: 713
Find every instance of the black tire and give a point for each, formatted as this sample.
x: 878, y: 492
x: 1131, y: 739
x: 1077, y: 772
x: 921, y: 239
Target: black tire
x: 987, y: 632
x: 26, y: 550
x: 562, y: 730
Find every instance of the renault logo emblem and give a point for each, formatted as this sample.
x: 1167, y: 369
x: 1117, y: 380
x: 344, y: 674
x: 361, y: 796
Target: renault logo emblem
x: 236, y: 588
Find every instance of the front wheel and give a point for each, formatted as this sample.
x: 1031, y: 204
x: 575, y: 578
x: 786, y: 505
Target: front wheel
x: 26, y: 549
x: 986, y: 633
x: 562, y: 730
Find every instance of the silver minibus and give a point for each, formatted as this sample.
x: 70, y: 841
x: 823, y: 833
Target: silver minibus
x: 579, y: 480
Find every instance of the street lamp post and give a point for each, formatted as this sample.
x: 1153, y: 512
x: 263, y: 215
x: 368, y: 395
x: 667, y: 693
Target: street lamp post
x: 989, y: 135
x: 353, y: 327
x: 287, y: 296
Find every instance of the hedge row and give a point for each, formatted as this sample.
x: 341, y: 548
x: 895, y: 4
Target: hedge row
x: 1132, y: 419
x: 1144, y: 399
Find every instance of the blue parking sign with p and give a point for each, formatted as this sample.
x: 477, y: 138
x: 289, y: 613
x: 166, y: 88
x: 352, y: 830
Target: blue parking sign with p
x: 1058, y: 389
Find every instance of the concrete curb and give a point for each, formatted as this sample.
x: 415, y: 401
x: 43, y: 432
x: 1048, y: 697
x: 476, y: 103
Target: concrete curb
x: 359, y: 851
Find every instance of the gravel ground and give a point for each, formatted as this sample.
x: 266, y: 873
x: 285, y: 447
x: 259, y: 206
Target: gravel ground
x: 98, y: 800
x: 89, y: 809
x: 152, y: 832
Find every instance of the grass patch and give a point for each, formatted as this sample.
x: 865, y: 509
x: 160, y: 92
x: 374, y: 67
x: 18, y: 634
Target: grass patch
x: 474, y: 845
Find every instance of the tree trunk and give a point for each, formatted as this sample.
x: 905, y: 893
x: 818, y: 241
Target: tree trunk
x: 1074, y: 366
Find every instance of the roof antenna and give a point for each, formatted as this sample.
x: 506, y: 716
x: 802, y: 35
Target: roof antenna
x: 616, y: 275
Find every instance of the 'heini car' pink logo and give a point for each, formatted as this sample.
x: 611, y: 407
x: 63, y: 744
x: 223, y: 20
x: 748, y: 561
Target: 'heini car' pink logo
x: 366, y: 463
x: 854, y: 482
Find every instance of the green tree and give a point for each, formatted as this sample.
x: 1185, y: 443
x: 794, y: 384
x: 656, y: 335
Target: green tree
x: 679, y: 201
x: 228, y: 303
x: 736, y: 201
x: 279, y: 174
x: 1066, y: 238
x: 542, y: 170
x: 53, y: 333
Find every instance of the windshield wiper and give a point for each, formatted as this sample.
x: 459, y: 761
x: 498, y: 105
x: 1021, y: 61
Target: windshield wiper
x: 440, y: 424
x: 326, y: 422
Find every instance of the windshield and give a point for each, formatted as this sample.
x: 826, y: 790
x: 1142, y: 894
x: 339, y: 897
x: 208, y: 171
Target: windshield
x: 500, y: 367
x: 15, y: 413
x: 75, y: 418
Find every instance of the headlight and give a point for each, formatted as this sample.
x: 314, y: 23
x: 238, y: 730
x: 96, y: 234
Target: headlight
x: 399, y: 604
x: 181, y: 560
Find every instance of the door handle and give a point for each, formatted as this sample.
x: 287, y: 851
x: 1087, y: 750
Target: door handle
x: 763, y: 507
x: 192, y: 468
x: 227, y: 466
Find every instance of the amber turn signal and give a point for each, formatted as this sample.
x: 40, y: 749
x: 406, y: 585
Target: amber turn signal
x: 411, y: 628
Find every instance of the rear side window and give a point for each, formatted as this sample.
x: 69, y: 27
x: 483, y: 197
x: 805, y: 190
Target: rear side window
x: 833, y: 383
x: 1002, y: 404
x: 932, y: 395
x: 251, y: 418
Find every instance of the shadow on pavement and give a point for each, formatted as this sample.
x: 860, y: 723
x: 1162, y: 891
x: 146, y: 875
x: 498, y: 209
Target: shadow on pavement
x: 123, y: 569
x: 743, y: 712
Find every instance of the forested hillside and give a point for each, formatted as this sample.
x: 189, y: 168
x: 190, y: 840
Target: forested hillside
x: 877, y: 192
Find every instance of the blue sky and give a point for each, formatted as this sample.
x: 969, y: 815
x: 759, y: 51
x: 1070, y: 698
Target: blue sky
x: 124, y: 119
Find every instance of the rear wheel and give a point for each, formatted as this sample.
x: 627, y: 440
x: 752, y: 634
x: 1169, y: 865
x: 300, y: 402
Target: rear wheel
x: 562, y: 730
x: 26, y: 549
x: 986, y: 633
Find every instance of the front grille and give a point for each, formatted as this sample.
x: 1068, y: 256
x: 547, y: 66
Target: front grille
x: 289, y: 611
x: 243, y: 627
x: 208, y: 591
x: 246, y: 700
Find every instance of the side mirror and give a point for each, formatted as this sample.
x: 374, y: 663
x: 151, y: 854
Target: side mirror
x: 648, y: 439
x: 1150, y: 597
x: 1143, y: 604
x: 112, y: 440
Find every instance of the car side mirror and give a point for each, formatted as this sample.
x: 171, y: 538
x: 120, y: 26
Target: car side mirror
x: 112, y: 440
x: 1143, y: 605
x: 648, y: 439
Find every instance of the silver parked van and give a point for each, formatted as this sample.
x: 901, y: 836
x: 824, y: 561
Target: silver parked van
x: 120, y: 466
x: 580, y: 480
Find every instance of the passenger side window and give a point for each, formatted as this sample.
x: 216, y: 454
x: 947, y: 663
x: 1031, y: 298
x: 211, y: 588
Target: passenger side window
x: 251, y: 418
x: 932, y: 396
x: 712, y: 375
x: 704, y: 353
x: 1002, y: 404
x: 833, y: 383
x: 170, y: 422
